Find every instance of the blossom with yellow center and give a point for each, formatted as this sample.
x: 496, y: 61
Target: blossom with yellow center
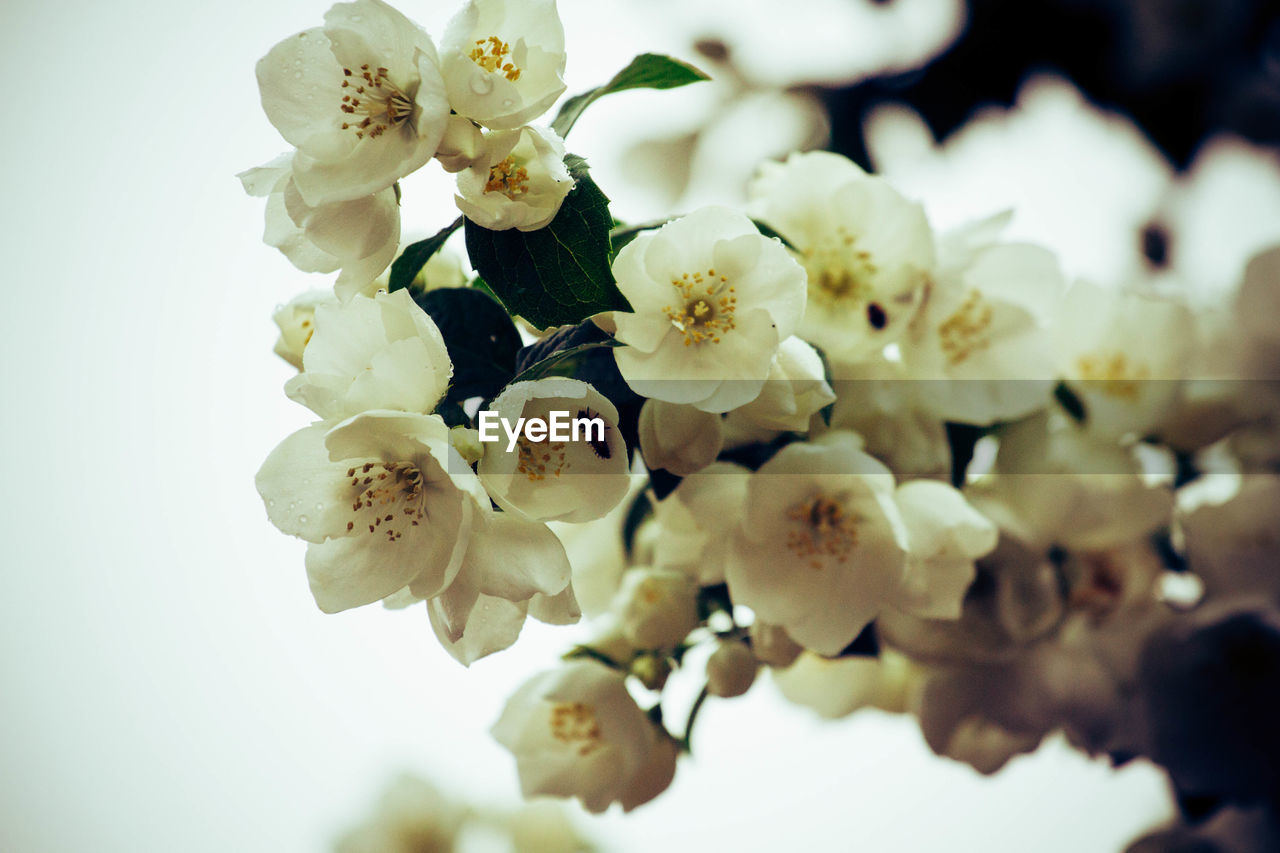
x: 517, y: 180
x: 712, y: 301
x: 362, y: 99
x: 503, y: 61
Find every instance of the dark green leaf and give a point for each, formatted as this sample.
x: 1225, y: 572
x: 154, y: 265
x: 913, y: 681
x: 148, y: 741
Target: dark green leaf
x: 768, y: 231
x: 646, y: 71
x: 481, y: 339
x: 558, y: 274
x: 416, y: 255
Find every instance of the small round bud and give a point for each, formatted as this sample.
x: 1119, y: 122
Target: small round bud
x: 773, y: 645
x: 652, y: 670
x: 731, y: 670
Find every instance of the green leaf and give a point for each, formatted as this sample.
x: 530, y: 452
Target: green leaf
x: 646, y: 71
x: 768, y: 231
x: 561, y: 363
x: 558, y: 274
x: 481, y: 339
x: 415, y: 256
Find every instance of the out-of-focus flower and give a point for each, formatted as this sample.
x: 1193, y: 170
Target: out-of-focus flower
x: 679, y: 438
x: 698, y: 521
x: 821, y: 547
x: 836, y: 687
x: 731, y: 669
x: 503, y: 61
x: 296, y: 320
x: 597, y: 552
x: 358, y: 236
x: 1125, y: 355
x: 550, y: 479
x: 981, y: 332
x: 412, y: 816
x: 362, y: 99
x: 576, y: 732
x: 383, y: 499
x: 712, y: 300
x: 519, y: 180
x: 656, y: 608
x: 379, y: 352
x: 867, y: 250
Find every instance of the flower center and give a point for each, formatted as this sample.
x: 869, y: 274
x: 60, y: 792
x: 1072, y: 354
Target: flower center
x: 1119, y: 378
x: 574, y: 723
x: 490, y: 54
x: 509, y: 179
x: 821, y: 529
x: 965, y: 332
x: 706, y: 307
x: 539, y: 460
x: 388, y: 494
x: 381, y: 103
x: 839, y: 271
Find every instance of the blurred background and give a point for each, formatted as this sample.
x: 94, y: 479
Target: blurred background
x: 168, y: 683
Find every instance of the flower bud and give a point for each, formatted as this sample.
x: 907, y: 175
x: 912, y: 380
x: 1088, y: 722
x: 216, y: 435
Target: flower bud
x: 679, y: 438
x: 651, y: 670
x: 731, y: 670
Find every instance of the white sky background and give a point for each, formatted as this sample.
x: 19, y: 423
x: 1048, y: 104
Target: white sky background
x: 168, y: 684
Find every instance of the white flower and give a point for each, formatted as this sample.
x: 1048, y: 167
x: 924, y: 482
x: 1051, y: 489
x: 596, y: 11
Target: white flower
x: 656, y: 608
x: 944, y: 536
x: 1124, y: 354
x: 362, y: 99
x: 383, y: 500
x: 552, y: 480
x: 380, y: 352
x: 795, y: 391
x: 712, y: 301
x: 678, y: 438
x: 503, y: 61
x: 821, y: 548
x: 887, y: 408
x: 867, y: 250
x: 837, y: 687
x: 982, y: 330
x: 519, y: 180
x: 360, y: 236
x: 576, y: 732
x: 510, y: 563
x: 412, y: 816
x: 731, y: 669
x: 597, y: 553
x: 462, y: 145
x: 296, y: 321
x: 698, y: 521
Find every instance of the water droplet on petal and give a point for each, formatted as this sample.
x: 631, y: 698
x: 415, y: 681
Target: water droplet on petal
x: 481, y: 84
x: 507, y: 103
x: 302, y: 519
x: 271, y: 502
x: 319, y: 507
x: 297, y: 75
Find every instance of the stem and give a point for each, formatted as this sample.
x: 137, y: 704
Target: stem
x: 685, y: 742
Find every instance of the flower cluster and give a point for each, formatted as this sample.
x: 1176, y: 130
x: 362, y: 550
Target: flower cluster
x: 894, y: 466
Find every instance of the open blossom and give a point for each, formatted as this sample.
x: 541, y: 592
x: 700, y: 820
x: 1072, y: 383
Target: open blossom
x: 576, y: 732
x: 503, y: 61
x: 359, y: 236
x: 380, y: 352
x: 827, y: 543
x: 1124, y: 354
x: 361, y: 98
x: 548, y: 479
x: 868, y: 252
x: 519, y: 180
x: 656, y: 608
x: 982, y: 331
x: 712, y: 300
x: 383, y: 499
